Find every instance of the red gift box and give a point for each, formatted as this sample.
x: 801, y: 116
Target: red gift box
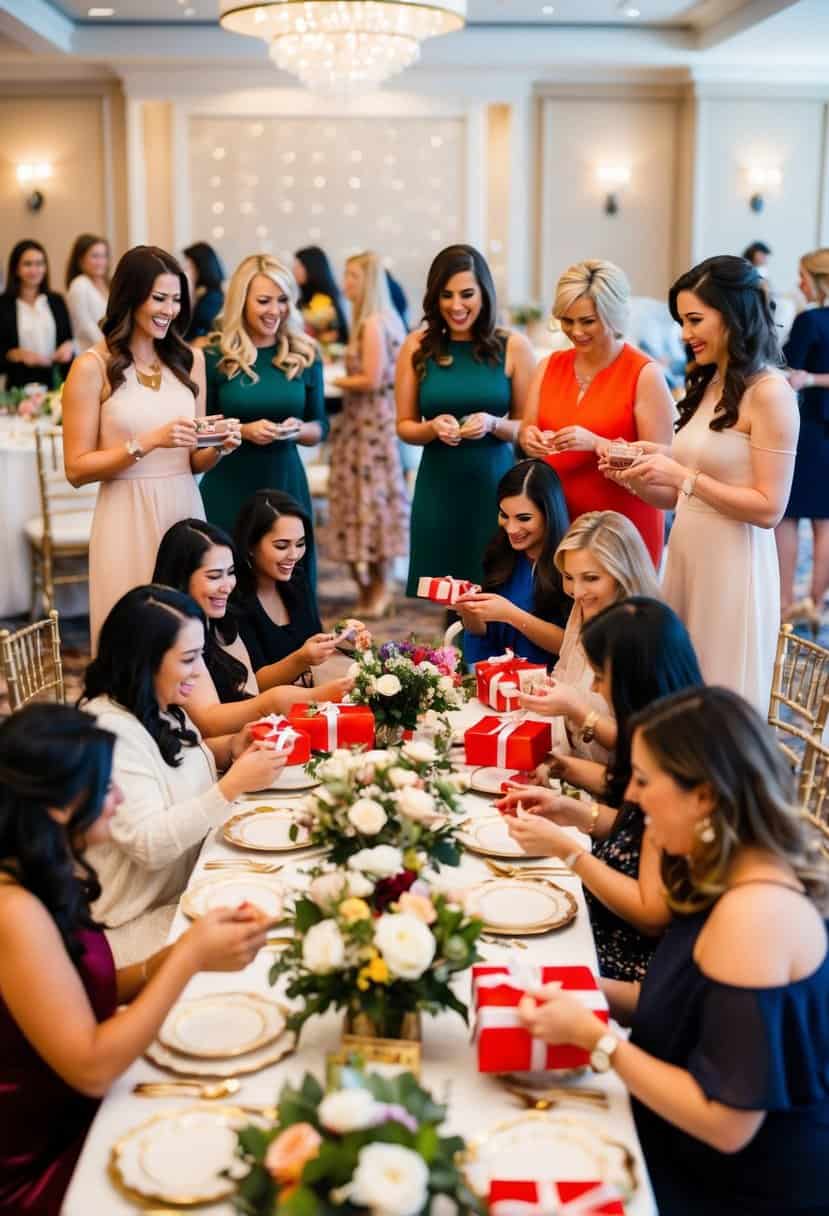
x: 503, y: 1043
x: 518, y: 743
x: 288, y: 738
x: 492, y: 674
x: 515, y: 1197
x: 446, y: 590
x: 330, y: 726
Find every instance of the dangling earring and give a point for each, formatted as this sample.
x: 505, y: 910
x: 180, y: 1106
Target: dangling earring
x: 704, y: 830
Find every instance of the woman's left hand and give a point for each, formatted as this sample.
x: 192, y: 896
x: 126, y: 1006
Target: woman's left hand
x: 799, y: 379
x: 556, y: 701
x: 240, y: 742
x: 234, y: 437
x: 538, y: 836
x: 475, y: 426
x: 657, y: 471
x: 559, y: 1018
x: 575, y: 439
x: 484, y: 607
x: 64, y: 353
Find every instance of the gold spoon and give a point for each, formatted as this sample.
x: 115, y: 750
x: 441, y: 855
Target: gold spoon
x: 557, y: 1098
x: 255, y: 867
x: 191, y: 1087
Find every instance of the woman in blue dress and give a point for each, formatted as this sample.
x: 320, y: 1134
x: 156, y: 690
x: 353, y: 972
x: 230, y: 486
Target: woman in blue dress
x: 728, y: 1059
x: 522, y: 605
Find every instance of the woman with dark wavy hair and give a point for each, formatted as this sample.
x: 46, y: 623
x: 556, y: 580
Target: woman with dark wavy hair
x: 61, y: 1043
x: 129, y: 419
x: 149, y: 660
x: 728, y: 474
x: 461, y: 388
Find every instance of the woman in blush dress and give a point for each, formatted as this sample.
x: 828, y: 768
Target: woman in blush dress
x: 87, y: 288
x: 129, y: 420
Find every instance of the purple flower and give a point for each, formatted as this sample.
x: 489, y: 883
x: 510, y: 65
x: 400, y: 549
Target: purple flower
x: 394, y: 1113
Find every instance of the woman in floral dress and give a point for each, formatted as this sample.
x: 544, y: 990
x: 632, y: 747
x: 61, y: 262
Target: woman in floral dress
x: 368, y: 503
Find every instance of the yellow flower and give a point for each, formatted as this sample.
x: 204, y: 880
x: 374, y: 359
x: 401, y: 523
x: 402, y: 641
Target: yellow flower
x: 375, y: 972
x: 351, y: 910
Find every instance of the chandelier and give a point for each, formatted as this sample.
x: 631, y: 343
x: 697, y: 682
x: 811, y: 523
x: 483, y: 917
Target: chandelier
x: 343, y: 45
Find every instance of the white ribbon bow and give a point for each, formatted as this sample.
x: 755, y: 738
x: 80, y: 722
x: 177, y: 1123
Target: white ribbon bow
x: 506, y: 657
x: 331, y: 713
x: 549, y: 1203
x: 283, y: 733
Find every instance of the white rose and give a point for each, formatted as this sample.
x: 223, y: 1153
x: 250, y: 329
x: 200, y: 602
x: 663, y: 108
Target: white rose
x: 428, y: 668
x: 358, y: 885
x: 382, y: 861
x: 406, y: 944
x: 388, y: 685
x: 336, y: 767
x: 354, y: 670
x: 416, y: 804
x: 419, y: 751
x: 377, y: 756
x: 323, y: 948
x: 390, y: 1180
x: 326, y: 889
x: 367, y: 816
x: 400, y: 777
x: 348, y: 1110
x: 446, y: 684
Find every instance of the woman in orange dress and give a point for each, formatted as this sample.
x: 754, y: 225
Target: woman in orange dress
x: 602, y: 389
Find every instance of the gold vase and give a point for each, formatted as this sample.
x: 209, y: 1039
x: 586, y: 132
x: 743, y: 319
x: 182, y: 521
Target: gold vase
x: 388, y: 736
x: 360, y: 1038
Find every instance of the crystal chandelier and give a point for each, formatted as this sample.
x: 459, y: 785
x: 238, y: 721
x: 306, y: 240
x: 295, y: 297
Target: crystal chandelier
x: 343, y: 45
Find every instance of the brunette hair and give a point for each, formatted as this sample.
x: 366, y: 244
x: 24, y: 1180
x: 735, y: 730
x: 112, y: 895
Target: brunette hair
x: 140, y: 629
x: 12, y: 287
x: 320, y: 281
x: 209, y: 270
x: 53, y: 756
x: 540, y: 483
x: 711, y: 736
x: 732, y: 287
x: 488, y: 342
x: 131, y: 285
x: 256, y: 518
x: 180, y: 555
x: 81, y: 247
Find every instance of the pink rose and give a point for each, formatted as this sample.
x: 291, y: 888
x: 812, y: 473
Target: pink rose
x: 417, y: 905
x: 290, y: 1152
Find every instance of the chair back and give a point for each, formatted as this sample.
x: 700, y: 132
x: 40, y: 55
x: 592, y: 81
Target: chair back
x: 31, y: 662
x: 57, y: 496
x: 799, y: 702
x: 813, y: 785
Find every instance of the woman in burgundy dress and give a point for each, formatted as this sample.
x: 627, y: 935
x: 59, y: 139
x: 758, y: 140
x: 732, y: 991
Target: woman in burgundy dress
x: 60, y: 1044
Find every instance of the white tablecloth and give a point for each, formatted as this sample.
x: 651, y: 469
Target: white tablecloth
x: 476, y: 1101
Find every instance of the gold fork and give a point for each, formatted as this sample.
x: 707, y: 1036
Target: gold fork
x: 190, y: 1086
x: 557, y: 1098
x: 502, y: 871
x: 254, y: 867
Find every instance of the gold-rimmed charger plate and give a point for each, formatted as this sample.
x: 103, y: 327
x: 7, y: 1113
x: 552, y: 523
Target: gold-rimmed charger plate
x: 489, y: 837
x: 230, y: 890
x: 192, y: 1066
x: 521, y: 905
x: 265, y: 829
x: 222, y: 1025
x: 571, y: 1148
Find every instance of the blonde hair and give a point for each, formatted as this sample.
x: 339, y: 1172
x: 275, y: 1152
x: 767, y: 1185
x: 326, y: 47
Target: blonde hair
x: 603, y: 283
x: 295, y: 350
x: 816, y: 266
x: 376, y: 297
x: 617, y: 545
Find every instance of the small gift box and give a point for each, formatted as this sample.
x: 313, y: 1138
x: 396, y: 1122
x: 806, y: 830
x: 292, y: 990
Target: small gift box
x: 499, y: 679
x: 330, y: 726
x: 503, y: 1043
x: 516, y: 1197
x: 446, y: 590
x: 516, y: 743
x: 288, y: 739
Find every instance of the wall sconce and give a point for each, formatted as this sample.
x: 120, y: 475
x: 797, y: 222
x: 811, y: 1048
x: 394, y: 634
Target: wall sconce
x: 760, y: 180
x: 32, y: 177
x: 612, y: 178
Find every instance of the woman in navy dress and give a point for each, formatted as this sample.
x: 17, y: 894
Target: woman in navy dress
x: 728, y: 1059
x: 807, y: 354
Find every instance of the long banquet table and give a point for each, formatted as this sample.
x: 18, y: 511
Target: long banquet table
x: 476, y: 1102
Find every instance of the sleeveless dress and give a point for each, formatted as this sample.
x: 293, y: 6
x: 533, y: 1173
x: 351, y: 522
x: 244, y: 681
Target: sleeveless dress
x: 751, y: 1049
x: 607, y: 409
x: 808, y: 350
x: 368, y: 506
x: 722, y: 576
x: 43, y: 1121
x: 137, y: 506
x: 454, y: 510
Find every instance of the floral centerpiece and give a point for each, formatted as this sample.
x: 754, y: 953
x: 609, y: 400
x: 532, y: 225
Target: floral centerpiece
x: 34, y: 401
x: 401, y: 681
x: 373, y: 1146
x: 378, y: 942
x: 399, y: 799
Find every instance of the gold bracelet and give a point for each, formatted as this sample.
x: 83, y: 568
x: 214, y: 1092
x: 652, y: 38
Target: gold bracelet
x: 588, y: 729
x: 144, y: 972
x: 594, y: 818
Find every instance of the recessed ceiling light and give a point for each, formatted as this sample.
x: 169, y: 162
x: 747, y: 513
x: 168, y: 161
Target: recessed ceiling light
x: 189, y: 12
x: 101, y: 12
x: 629, y: 10
x: 548, y: 10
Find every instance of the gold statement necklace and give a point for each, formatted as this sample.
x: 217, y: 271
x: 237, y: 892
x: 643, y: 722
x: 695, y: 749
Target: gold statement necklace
x: 150, y: 379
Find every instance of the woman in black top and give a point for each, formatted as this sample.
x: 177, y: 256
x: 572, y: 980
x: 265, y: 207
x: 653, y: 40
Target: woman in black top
x: 206, y: 275
x: 314, y: 277
x: 35, y: 333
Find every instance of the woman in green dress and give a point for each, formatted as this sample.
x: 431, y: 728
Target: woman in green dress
x: 263, y: 369
x: 461, y: 388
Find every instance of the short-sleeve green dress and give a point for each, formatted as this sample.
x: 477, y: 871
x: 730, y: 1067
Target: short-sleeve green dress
x: 454, y: 512
x: 252, y: 467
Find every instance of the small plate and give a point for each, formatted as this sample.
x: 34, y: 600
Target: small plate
x: 489, y: 837
x: 519, y: 905
x: 262, y: 890
x: 180, y: 1156
x: 490, y: 780
x: 222, y: 1025
x: 266, y: 830
x: 193, y: 1066
x: 294, y: 777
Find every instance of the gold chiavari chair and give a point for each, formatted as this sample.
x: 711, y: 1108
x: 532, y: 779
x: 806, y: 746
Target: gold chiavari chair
x: 799, y: 702
x: 813, y: 787
x: 31, y: 662
x: 61, y: 532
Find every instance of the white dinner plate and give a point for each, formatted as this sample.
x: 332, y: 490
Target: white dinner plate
x: 180, y: 1156
x: 518, y: 905
x: 222, y: 1025
x: 294, y: 777
x: 194, y: 1066
x: 489, y: 837
x: 266, y: 829
x: 489, y: 780
x: 572, y: 1148
x: 262, y: 890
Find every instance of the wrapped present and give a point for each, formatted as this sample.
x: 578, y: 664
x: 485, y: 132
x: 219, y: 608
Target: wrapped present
x: 330, y: 726
x: 514, y: 743
x: 501, y: 677
x: 516, y: 1197
x: 503, y: 1043
x: 295, y: 743
x: 446, y: 590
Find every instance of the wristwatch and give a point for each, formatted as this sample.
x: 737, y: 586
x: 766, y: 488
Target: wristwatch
x: 601, y: 1057
x: 689, y: 484
x: 135, y: 449
x: 588, y: 730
